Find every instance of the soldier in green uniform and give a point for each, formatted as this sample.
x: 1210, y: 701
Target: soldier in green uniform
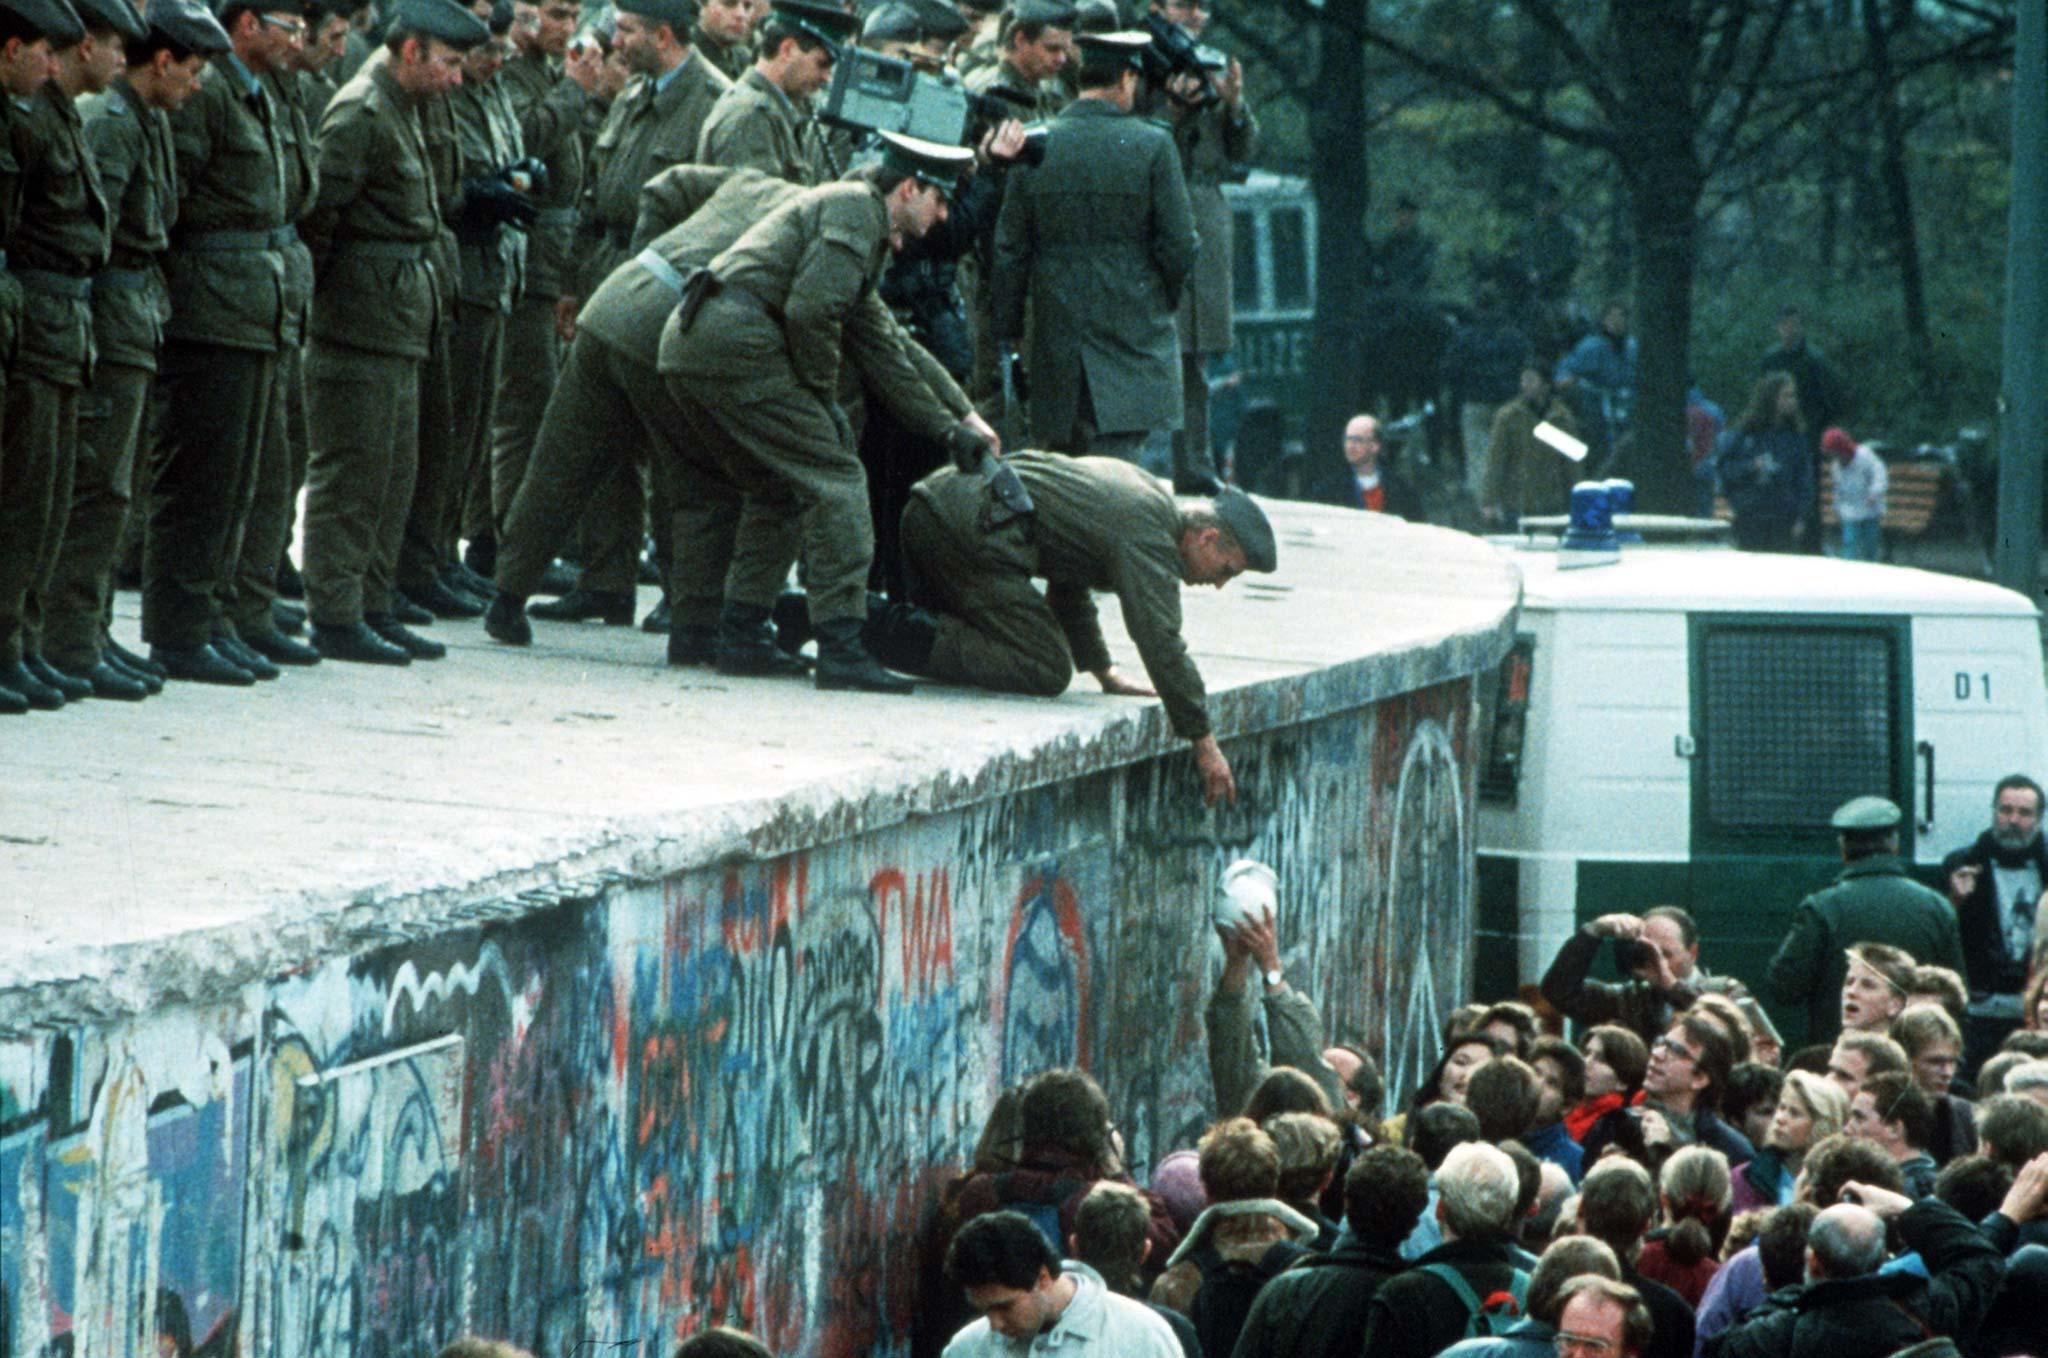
x: 59, y: 242
x: 227, y: 274
x: 1100, y: 238
x: 757, y: 350
x: 1037, y: 42
x: 724, y: 33
x: 1875, y: 900
x: 374, y: 232
x: 129, y: 130
x: 764, y: 121
x: 317, y: 64
x: 550, y: 99
x: 656, y: 123
x: 1095, y: 524
x: 28, y: 28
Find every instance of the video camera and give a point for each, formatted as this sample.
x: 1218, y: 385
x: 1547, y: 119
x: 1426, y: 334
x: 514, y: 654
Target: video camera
x: 1173, y: 53
x: 875, y: 93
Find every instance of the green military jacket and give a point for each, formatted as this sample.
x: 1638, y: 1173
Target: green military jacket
x: 755, y: 125
x: 301, y: 184
x: 1034, y: 100
x: 1098, y: 524
x: 550, y: 108
x: 131, y: 146
x: 1873, y: 901
x: 493, y: 258
x: 1099, y: 238
x: 376, y: 225
x: 444, y: 157
x: 227, y: 268
x: 1215, y: 147
x: 11, y: 301
x: 651, y: 127
x: 731, y: 58
x: 61, y: 238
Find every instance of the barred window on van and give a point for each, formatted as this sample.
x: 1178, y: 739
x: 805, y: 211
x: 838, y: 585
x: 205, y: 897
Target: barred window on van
x: 1797, y: 721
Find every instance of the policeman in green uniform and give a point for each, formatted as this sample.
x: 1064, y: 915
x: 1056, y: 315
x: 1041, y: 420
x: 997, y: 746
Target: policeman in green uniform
x: 654, y: 124
x: 374, y: 232
x: 1100, y: 239
x: 1095, y: 524
x: 1875, y: 900
x: 764, y: 121
x: 756, y: 348
x: 1037, y: 43
x: 129, y: 130
x: 724, y: 33
x: 59, y: 242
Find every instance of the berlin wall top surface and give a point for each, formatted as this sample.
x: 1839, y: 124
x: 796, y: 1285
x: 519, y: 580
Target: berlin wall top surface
x: 165, y: 850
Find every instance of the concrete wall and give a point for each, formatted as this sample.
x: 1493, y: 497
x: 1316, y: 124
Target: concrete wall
x: 730, y: 1094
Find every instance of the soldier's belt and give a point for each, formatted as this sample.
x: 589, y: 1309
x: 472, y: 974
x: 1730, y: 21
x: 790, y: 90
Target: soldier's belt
x: 120, y: 280
x: 558, y: 216
x: 224, y: 242
x: 58, y: 284
x: 661, y: 269
x: 387, y: 249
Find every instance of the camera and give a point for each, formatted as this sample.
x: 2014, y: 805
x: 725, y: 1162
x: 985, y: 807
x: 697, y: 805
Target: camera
x: 1173, y: 53
x: 875, y: 93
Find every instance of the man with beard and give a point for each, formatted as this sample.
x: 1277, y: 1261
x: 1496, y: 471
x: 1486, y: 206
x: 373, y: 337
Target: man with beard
x: 1995, y: 886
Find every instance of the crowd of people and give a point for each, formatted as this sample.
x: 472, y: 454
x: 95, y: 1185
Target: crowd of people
x: 499, y: 286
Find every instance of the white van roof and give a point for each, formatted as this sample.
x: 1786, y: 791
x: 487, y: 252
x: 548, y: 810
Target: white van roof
x: 1662, y: 579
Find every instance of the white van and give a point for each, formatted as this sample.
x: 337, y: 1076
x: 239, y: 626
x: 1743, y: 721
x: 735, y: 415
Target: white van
x: 1678, y: 726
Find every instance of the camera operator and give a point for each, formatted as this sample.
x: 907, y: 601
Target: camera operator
x: 1217, y: 136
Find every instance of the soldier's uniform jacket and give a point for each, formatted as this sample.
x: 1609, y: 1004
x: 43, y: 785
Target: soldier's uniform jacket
x: 493, y: 258
x: 1098, y: 524
x: 811, y: 265
x: 550, y: 108
x: 1214, y: 148
x: 376, y: 224
x: 301, y: 184
x: 226, y: 268
x: 1046, y: 97
x: 444, y: 160
x: 756, y: 126
x: 731, y: 58
x: 1101, y: 239
x: 11, y: 301
x: 651, y: 127
x: 131, y: 147
x: 60, y: 239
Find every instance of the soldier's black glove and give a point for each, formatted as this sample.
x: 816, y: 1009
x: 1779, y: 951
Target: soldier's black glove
x: 969, y: 450
x: 493, y: 202
x: 528, y: 174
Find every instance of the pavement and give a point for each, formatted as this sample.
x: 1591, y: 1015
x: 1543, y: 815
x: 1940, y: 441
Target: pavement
x: 173, y: 848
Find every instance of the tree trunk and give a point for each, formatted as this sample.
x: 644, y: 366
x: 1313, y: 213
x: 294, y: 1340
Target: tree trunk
x: 1338, y: 177
x: 1898, y: 189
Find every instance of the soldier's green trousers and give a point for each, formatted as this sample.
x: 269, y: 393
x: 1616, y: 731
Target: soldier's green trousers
x: 36, y: 452
x: 365, y: 417
x: 996, y: 630
x: 111, y: 421
x: 532, y: 359
x: 280, y: 471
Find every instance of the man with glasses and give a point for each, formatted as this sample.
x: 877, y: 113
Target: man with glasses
x: 1682, y: 1087
x: 1601, y: 1318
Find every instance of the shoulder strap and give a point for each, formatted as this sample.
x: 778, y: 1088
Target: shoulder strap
x: 1456, y: 1282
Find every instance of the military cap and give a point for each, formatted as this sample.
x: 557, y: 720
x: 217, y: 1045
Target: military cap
x: 188, y: 24
x: 119, y: 15
x: 500, y: 21
x: 1860, y: 814
x: 224, y: 8
x: 677, y: 14
x: 1247, y: 523
x: 827, y: 23
x: 893, y: 22
x: 1054, y: 13
x: 1124, y: 48
x: 939, y: 20
x: 53, y: 19
x: 929, y: 162
x: 442, y: 19
x: 1097, y: 16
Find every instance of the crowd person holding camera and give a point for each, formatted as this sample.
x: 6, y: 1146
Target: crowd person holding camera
x: 1659, y: 951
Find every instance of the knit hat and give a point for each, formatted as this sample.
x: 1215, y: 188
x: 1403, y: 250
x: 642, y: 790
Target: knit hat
x: 1837, y: 443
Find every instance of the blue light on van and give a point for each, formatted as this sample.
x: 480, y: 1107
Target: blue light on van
x: 1621, y: 494
x: 1592, y: 518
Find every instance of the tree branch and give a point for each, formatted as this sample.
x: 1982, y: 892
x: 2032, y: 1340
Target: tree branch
x: 1460, y: 76
x: 1593, y: 74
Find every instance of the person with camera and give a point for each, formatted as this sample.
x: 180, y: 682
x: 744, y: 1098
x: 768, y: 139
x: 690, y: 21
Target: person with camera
x: 1099, y: 239
x: 1036, y: 42
x: 764, y: 120
x: 1659, y: 951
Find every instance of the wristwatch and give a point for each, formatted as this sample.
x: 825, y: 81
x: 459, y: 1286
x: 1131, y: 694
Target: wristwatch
x: 1274, y: 978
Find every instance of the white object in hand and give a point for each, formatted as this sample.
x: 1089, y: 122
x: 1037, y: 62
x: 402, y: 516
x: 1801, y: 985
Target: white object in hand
x: 1551, y: 436
x: 1249, y: 889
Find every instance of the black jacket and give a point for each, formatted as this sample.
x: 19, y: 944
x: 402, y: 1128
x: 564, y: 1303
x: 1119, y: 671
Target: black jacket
x: 1419, y: 1314
x: 1880, y: 1312
x: 1991, y: 971
x: 1316, y: 1309
x: 1623, y: 1127
x: 1634, y: 1003
x: 1672, y: 1320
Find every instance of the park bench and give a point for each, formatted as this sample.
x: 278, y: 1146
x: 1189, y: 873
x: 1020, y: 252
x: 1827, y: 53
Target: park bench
x: 1912, y: 498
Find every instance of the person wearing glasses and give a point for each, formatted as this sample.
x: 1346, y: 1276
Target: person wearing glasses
x: 1601, y: 1319
x: 1689, y: 1067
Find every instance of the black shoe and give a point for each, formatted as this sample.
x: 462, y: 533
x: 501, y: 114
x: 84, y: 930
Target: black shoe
x: 408, y: 612
x: 70, y: 685
x: 109, y: 682
x: 12, y: 704
x: 444, y: 602
x: 395, y: 632
x: 792, y: 614
x: 657, y: 619
x: 614, y: 608
x: 693, y: 643
x: 560, y: 578
x: 289, y: 619
x: 463, y: 580
x: 843, y: 663
x: 505, y: 620
x: 33, y: 691
x: 120, y: 654
x: 290, y: 584
x: 355, y: 641
x: 280, y: 649
x: 481, y: 557
x: 200, y: 665
x: 146, y: 678
x: 746, y: 646
x: 901, y: 637
x: 237, y: 653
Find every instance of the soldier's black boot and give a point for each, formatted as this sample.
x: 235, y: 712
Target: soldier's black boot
x: 354, y: 641
x: 844, y: 663
x: 12, y: 702
x: 110, y: 681
x: 388, y: 627
x: 505, y: 620
x: 33, y: 691
x: 231, y: 647
x: 70, y: 685
x: 658, y: 618
x: 439, y: 599
x: 692, y: 643
x: 792, y: 620
x: 901, y: 636
x: 613, y: 608
x: 121, y: 655
x: 199, y: 665
x: 746, y: 645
